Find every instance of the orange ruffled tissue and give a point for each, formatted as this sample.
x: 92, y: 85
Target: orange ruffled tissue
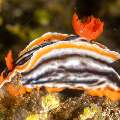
x: 91, y: 28
x: 9, y: 60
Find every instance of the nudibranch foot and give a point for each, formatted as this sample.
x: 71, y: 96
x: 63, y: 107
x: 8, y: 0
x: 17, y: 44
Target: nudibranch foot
x: 107, y: 92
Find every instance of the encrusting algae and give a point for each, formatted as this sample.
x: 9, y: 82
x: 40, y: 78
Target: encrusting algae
x: 50, y: 101
x: 90, y: 112
x: 42, y: 116
x: 33, y: 87
x: 33, y: 117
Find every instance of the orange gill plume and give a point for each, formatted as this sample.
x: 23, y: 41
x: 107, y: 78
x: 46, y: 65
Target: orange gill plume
x: 91, y: 28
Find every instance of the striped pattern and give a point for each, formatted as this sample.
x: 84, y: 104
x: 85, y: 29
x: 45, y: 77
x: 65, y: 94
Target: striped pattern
x: 58, y: 60
x: 67, y: 61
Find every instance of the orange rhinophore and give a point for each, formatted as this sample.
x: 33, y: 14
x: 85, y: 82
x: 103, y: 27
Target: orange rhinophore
x: 91, y: 28
x: 9, y: 60
x: 1, y: 78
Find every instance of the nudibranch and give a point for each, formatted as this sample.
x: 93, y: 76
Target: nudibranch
x: 57, y: 61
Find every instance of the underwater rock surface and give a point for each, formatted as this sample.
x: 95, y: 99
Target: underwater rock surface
x: 67, y: 105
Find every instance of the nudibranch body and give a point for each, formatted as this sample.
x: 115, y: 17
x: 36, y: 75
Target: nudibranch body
x: 57, y: 61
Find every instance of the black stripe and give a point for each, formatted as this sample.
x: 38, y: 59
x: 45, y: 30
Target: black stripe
x: 73, y: 37
x: 48, y: 73
x: 47, y: 43
x: 100, y: 83
x: 24, y: 60
x: 116, y: 65
x: 60, y: 57
x: 61, y: 81
x: 21, y: 61
x: 111, y: 75
x: 34, y: 49
x: 64, y: 71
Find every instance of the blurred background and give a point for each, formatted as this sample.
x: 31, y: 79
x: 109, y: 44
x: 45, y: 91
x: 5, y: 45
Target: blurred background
x: 23, y: 20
